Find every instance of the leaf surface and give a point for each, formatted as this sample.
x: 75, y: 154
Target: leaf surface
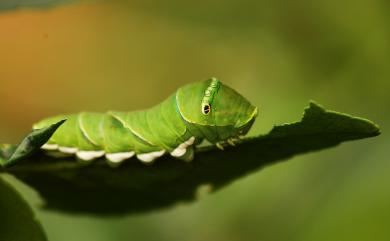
x: 68, y: 185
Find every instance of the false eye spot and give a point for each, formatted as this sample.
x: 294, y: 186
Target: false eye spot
x: 206, y: 109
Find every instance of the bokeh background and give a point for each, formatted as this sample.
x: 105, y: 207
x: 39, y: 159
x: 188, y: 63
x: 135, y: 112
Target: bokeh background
x: 127, y: 55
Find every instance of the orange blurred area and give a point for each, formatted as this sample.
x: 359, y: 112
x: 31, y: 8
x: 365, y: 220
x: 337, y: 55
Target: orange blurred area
x: 95, y: 57
x: 41, y: 51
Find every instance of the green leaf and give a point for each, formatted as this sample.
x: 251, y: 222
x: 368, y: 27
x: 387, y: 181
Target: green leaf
x: 6, y: 151
x: 29, y: 145
x: 17, y: 219
x: 134, y: 187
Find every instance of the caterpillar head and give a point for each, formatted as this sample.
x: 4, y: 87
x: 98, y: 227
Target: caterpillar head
x: 218, y: 111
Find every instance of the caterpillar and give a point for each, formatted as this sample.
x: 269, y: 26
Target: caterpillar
x: 203, y: 110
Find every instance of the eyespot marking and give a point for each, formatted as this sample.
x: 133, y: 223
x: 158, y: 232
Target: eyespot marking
x: 206, y: 108
x: 209, y: 94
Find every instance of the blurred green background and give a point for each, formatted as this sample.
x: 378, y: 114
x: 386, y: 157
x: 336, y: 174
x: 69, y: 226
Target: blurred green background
x: 128, y: 55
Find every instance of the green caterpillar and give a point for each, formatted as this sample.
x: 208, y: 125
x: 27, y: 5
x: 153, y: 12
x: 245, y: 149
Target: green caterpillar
x: 204, y: 110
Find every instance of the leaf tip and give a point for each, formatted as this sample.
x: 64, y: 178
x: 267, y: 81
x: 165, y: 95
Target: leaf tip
x: 314, y: 106
x: 348, y: 123
x: 31, y: 143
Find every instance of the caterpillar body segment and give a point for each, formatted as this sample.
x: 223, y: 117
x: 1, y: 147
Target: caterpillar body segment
x: 204, y: 110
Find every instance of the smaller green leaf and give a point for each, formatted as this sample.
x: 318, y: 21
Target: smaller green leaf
x: 17, y: 219
x: 6, y: 151
x: 30, y: 144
